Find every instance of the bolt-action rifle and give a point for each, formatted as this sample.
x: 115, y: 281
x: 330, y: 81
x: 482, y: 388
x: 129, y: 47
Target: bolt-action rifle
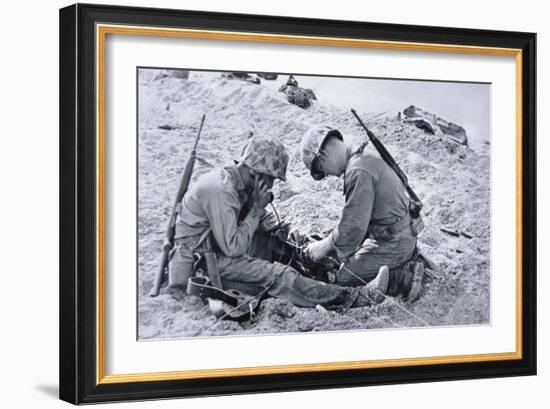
x: 416, y: 204
x: 171, y: 227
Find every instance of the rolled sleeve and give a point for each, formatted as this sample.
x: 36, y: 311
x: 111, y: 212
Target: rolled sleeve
x: 232, y: 237
x: 352, y: 228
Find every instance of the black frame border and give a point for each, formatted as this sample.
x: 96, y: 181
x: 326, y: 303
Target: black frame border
x: 77, y: 149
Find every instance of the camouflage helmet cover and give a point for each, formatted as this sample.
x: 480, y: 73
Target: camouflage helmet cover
x: 313, y: 140
x: 266, y: 155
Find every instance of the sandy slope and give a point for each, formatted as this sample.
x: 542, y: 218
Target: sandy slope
x: 452, y: 180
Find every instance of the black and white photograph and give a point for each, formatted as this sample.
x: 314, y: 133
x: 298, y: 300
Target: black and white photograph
x: 272, y: 203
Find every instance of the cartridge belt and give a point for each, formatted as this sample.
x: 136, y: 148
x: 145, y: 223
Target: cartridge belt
x: 387, y: 231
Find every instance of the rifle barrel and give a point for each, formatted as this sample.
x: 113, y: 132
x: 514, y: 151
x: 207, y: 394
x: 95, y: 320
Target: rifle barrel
x: 170, y: 228
x: 198, y: 134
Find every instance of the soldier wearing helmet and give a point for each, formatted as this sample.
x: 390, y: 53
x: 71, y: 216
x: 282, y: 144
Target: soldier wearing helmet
x: 375, y: 228
x: 229, y: 204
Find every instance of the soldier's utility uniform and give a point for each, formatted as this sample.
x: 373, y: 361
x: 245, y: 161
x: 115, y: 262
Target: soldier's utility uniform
x: 375, y: 227
x: 218, y: 202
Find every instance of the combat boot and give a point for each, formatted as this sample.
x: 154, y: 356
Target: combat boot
x: 407, y: 281
x: 416, y: 274
x: 374, y: 291
x: 397, y: 276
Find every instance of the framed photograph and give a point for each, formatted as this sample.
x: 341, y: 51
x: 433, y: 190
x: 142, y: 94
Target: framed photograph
x: 257, y: 203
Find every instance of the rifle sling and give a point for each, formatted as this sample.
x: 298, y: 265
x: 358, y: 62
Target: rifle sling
x: 391, y: 162
x: 385, y: 155
x: 201, y: 287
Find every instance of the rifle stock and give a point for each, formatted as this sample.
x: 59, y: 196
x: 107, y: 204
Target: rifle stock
x: 168, y: 244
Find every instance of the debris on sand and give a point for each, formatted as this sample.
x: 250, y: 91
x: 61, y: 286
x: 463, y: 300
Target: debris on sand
x: 430, y: 123
x: 181, y: 74
x: 268, y: 76
x: 450, y: 232
x: 243, y: 76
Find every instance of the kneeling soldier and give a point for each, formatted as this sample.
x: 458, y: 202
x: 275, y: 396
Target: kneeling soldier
x: 375, y: 228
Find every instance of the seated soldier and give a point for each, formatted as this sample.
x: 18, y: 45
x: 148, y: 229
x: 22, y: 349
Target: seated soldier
x: 229, y: 204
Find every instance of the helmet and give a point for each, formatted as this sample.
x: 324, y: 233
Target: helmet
x: 266, y: 155
x: 312, y: 142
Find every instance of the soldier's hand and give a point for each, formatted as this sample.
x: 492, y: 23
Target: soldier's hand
x: 261, y: 195
x: 317, y: 250
x: 294, y: 236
